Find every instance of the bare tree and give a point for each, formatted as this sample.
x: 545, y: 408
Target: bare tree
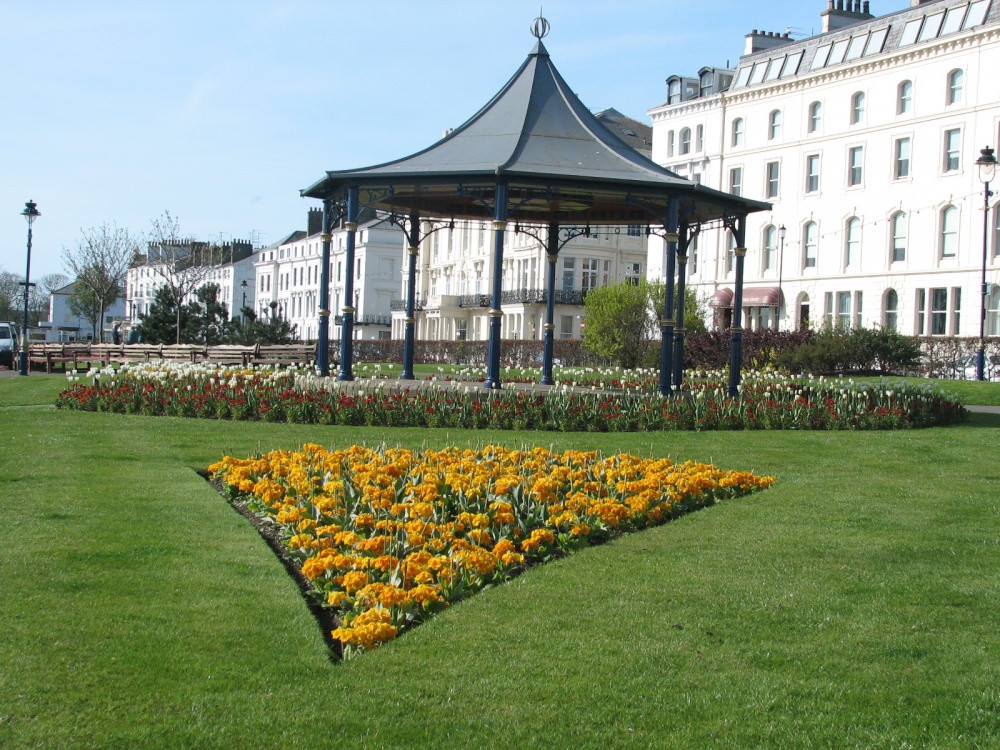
x: 9, y: 291
x: 182, y: 265
x: 100, y: 262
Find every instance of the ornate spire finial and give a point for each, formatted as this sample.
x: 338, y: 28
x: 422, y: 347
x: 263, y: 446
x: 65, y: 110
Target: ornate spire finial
x: 540, y: 28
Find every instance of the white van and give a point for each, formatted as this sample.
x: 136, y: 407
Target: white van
x: 8, y: 344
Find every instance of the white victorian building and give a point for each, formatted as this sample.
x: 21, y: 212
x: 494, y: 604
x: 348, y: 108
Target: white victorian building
x: 864, y: 139
x: 288, y: 277
x: 235, y: 278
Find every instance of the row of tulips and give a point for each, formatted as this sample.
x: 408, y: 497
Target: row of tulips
x: 766, y: 401
x: 388, y: 537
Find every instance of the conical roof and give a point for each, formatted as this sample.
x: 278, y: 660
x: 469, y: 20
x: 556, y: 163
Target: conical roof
x: 534, y: 134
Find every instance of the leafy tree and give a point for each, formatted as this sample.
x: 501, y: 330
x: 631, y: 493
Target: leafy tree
x: 86, y: 305
x: 623, y: 320
x: 620, y: 324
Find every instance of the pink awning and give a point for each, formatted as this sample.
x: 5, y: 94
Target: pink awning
x: 762, y: 296
x: 721, y: 298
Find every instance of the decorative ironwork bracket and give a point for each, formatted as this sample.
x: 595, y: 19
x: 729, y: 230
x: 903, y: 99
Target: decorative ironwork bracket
x: 405, y: 223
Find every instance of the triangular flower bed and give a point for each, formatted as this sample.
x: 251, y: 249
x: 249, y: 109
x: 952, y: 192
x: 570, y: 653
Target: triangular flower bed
x: 389, y: 536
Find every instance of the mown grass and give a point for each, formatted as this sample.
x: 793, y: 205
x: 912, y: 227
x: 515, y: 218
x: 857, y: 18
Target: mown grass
x: 853, y: 605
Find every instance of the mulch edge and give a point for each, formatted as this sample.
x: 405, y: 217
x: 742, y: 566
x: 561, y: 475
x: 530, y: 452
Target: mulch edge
x: 325, y: 617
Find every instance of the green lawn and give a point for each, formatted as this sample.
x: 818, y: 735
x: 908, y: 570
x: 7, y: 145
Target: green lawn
x: 853, y: 605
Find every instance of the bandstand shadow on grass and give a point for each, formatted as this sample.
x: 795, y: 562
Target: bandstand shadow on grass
x: 534, y: 155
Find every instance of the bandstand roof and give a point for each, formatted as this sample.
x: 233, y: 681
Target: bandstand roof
x: 559, y: 161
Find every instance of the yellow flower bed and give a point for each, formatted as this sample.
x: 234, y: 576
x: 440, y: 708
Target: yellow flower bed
x: 389, y: 536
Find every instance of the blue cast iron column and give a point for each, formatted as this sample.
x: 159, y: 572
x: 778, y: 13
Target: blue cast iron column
x: 499, y: 227
x: 679, y: 332
x: 323, y: 345
x: 550, y: 293
x: 413, y: 243
x: 736, y: 347
x: 347, y: 327
x: 667, y: 321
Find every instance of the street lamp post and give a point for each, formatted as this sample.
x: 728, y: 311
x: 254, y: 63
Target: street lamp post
x: 781, y: 265
x: 30, y: 213
x: 987, y: 164
x: 243, y: 286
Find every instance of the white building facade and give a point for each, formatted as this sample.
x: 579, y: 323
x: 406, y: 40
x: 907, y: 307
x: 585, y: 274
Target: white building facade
x: 455, y: 279
x: 864, y: 139
x: 287, y: 279
x: 234, y: 279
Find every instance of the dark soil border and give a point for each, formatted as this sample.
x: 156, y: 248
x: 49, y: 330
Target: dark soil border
x: 326, y: 618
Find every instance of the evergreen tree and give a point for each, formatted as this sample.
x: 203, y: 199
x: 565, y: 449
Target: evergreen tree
x: 209, y: 316
x: 159, y: 324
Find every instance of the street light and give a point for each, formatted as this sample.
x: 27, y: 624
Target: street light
x: 30, y: 213
x: 987, y: 164
x: 781, y: 264
x: 243, y: 285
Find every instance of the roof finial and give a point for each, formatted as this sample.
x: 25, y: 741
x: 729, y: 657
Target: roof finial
x: 540, y: 28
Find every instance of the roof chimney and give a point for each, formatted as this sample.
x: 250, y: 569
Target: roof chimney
x: 841, y: 13
x: 757, y: 41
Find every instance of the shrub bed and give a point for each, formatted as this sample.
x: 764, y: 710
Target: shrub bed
x: 766, y: 401
x: 388, y: 537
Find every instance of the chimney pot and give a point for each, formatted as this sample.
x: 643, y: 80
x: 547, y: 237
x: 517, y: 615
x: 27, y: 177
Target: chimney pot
x: 867, y: 7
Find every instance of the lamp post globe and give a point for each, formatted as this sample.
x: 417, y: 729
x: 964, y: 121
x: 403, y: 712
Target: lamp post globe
x: 30, y: 213
x: 987, y: 164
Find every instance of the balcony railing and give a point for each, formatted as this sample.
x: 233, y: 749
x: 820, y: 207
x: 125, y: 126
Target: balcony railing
x: 399, y: 305
x: 365, y: 320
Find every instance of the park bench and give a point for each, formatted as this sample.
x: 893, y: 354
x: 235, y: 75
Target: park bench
x: 103, y: 354
x: 132, y: 353
x: 182, y: 352
x: 51, y: 354
x: 230, y: 354
x: 284, y: 354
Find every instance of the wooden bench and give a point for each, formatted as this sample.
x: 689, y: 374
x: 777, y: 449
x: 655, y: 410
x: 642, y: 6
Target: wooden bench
x: 182, y: 352
x: 52, y: 354
x: 284, y: 354
x: 140, y: 352
x: 230, y: 354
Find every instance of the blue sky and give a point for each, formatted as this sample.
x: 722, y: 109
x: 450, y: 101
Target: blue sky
x: 220, y: 111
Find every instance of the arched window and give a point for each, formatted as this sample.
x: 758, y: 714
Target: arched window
x: 699, y: 138
x: 738, y: 131
x: 774, y: 125
x: 685, y: 142
x: 670, y: 143
x: 809, y: 241
x: 890, y: 310
x: 949, y: 231
x: 904, y: 98
x: 898, y: 226
x: 858, y: 108
x: 956, y: 80
x: 770, y: 249
x: 815, y: 116
x: 852, y: 241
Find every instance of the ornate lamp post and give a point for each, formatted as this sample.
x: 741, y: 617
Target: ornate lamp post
x: 30, y: 213
x: 243, y: 286
x: 987, y: 164
x: 781, y: 265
